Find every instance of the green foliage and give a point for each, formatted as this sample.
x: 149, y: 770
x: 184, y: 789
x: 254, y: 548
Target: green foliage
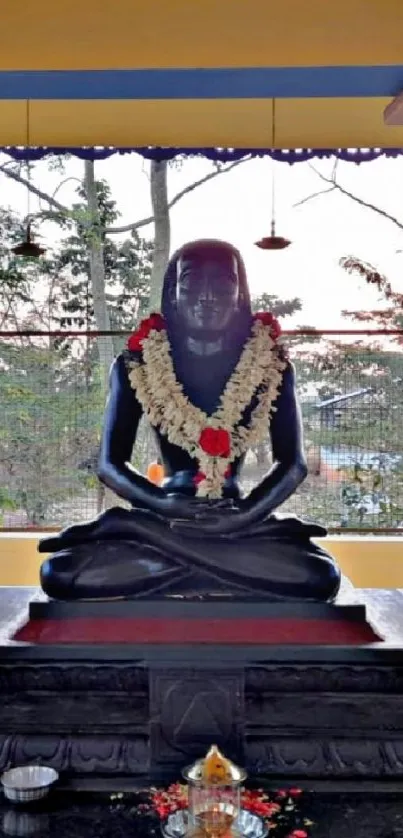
x: 51, y: 419
x: 127, y: 268
x: 280, y: 308
x: 50, y: 388
x: 366, y: 495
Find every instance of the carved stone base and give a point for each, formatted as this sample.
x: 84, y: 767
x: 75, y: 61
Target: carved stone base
x: 140, y: 713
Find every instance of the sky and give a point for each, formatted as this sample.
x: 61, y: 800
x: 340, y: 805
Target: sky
x: 237, y: 207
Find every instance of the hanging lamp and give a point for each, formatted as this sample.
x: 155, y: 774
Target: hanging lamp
x: 28, y: 247
x: 273, y: 242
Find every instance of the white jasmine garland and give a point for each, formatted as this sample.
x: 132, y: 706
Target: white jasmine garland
x: 259, y: 370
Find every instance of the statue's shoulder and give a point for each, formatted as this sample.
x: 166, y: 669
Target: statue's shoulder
x: 267, y: 321
x: 133, y: 351
x: 119, y: 371
x: 126, y: 359
x: 285, y: 361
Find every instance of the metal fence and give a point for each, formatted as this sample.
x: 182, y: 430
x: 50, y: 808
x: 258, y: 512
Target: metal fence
x: 351, y: 393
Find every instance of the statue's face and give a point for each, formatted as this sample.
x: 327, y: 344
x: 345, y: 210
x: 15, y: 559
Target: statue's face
x: 207, y: 291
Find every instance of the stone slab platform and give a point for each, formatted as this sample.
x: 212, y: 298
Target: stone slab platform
x: 137, y: 713
x: 178, y: 622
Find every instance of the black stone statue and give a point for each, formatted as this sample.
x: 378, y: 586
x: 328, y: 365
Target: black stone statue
x: 171, y: 542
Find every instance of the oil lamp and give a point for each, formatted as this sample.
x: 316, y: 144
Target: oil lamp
x: 28, y: 247
x: 273, y: 241
x: 214, y: 793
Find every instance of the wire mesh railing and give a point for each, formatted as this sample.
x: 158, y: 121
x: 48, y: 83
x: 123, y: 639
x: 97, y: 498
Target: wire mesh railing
x: 351, y: 393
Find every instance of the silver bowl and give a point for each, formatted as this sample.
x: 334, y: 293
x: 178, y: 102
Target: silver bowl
x: 246, y: 824
x: 27, y: 783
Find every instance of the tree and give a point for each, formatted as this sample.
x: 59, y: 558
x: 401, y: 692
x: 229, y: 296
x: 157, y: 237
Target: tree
x: 93, y: 237
x: 97, y: 232
x: 50, y: 386
x: 50, y: 422
x: 42, y: 438
x: 92, y: 280
x: 94, y: 227
x: 162, y: 229
x: 333, y: 185
x: 280, y: 308
x: 390, y: 316
x: 126, y: 270
x: 372, y: 490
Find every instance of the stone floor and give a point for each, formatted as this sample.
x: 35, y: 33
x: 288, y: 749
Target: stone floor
x: 384, y: 609
x: 356, y: 816
x: 329, y: 816
x: 14, y: 604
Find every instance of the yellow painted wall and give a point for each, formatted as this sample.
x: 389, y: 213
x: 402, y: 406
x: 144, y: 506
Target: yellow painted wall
x: 367, y: 562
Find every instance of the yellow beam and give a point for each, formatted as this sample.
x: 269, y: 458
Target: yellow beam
x: 241, y: 123
x: 198, y: 33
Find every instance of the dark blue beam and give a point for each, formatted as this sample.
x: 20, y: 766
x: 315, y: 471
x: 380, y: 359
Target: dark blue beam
x: 220, y: 83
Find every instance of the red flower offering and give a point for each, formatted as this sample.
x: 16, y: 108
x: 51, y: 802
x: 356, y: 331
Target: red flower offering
x: 153, y: 323
x: 268, y: 319
x: 215, y: 442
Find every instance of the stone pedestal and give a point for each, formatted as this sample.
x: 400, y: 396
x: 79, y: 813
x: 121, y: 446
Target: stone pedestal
x: 110, y: 714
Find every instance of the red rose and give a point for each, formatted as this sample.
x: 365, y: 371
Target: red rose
x: 153, y: 323
x: 298, y: 833
x: 270, y: 320
x: 216, y: 443
x: 135, y: 342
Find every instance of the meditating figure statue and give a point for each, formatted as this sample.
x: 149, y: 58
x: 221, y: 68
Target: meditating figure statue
x: 213, y: 381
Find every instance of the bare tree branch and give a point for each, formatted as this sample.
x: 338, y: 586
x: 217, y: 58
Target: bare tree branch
x: 145, y: 221
x: 335, y: 185
x: 4, y: 316
x: 8, y: 163
x: 34, y: 189
x: 63, y: 183
x: 136, y: 225
x: 314, y: 195
x: 334, y: 170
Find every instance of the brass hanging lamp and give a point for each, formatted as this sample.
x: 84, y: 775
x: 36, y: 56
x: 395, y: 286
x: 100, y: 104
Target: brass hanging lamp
x: 28, y: 247
x: 273, y: 242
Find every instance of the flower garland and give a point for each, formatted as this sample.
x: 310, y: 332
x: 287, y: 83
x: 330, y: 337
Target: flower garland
x: 214, y: 441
